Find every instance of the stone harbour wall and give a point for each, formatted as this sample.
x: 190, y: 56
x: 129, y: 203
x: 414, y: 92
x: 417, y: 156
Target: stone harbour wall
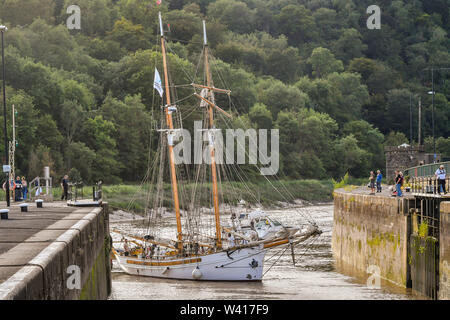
x: 444, y: 252
x: 86, y: 246
x: 371, y: 231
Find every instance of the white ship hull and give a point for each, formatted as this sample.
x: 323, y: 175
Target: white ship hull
x: 241, y: 265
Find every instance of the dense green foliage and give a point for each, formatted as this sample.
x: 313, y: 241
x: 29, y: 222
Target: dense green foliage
x: 337, y: 91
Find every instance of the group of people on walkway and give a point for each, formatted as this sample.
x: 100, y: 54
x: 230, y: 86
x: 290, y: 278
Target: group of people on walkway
x: 440, y: 176
x: 18, y: 188
x: 375, y: 180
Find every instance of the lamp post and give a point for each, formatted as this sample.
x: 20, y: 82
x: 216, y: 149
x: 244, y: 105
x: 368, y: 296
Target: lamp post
x: 3, y: 29
x: 432, y: 111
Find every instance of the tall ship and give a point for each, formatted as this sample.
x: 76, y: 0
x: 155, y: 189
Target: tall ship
x: 204, y: 247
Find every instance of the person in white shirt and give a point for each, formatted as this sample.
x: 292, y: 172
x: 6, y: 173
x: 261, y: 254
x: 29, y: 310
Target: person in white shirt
x: 440, y: 174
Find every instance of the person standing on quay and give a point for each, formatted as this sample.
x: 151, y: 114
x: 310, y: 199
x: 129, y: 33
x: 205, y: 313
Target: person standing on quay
x: 372, y: 182
x: 65, y: 187
x: 24, y: 188
x: 18, y: 189
x: 379, y: 178
x: 440, y: 174
x: 398, y: 183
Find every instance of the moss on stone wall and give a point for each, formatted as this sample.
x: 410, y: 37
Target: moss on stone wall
x: 95, y: 284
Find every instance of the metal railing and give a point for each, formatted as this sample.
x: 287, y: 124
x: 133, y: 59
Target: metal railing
x: 426, y: 170
x: 428, y: 186
x: 97, y: 193
x: 76, y: 191
x: 35, y: 187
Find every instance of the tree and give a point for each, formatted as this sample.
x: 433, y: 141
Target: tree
x: 329, y: 23
x: 234, y: 14
x: 40, y: 157
x: 81, y: 158
x: 47, y: 133
x: 349, y: 45
x: 348, y: 157
x: 98, y: 135
x: 132, y: 37
x: 353, y: 95
x: 72, y: 118
x: 26, y: 126
x: 97, y: 16
x: 144, y: 13
x: 297, y: 23
x: 132, y: 143
x: 317, y: 134
x: 278, y: 96
x: 394, y: 139
x: 323, y: 63
x: 261, y: 116
x: 397, y: 110
x: 289, y: 127
x: 183, y: 25
x: 78, y: 93
x: 21, y: 13
x: 369, y: 139
x: 106, y: 49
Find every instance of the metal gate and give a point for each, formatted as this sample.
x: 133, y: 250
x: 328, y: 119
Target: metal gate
x: 424, y: 247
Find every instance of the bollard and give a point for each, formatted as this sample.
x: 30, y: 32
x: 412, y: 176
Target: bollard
x: 39, y: 203
x: 24, y: 207
x: 4, y: 214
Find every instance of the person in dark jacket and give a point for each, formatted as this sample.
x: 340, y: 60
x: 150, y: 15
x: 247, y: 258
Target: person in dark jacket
x: 399, y: 183
x: 65, y: 187
x: 18, y: 189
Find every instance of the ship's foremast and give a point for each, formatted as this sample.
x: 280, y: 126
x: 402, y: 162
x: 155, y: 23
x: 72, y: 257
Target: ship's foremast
x: 169, y: 123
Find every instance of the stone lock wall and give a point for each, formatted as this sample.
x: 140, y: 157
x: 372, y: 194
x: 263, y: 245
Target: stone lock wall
x: 444, y: 252
x: 87, y: 245
x: 371, y: 231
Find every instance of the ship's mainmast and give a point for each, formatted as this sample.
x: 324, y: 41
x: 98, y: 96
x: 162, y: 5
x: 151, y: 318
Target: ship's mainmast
x: 209, y: 99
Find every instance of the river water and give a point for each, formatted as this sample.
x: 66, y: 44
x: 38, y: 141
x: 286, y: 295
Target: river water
x: 313, y: 277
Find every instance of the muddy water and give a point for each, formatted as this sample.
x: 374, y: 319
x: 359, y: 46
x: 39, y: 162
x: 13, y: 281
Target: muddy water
x: 313, y: 277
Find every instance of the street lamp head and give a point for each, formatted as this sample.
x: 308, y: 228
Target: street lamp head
x: 431, y: 92
x: 3, y: 28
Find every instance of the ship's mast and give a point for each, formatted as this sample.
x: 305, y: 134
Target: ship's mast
x: 210, y: 97
x: 169, y: 122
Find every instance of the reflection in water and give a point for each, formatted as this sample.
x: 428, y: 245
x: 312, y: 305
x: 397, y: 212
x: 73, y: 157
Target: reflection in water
x: 313, y: 277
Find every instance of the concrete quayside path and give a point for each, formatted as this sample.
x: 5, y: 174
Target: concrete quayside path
x: 54, y: 252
